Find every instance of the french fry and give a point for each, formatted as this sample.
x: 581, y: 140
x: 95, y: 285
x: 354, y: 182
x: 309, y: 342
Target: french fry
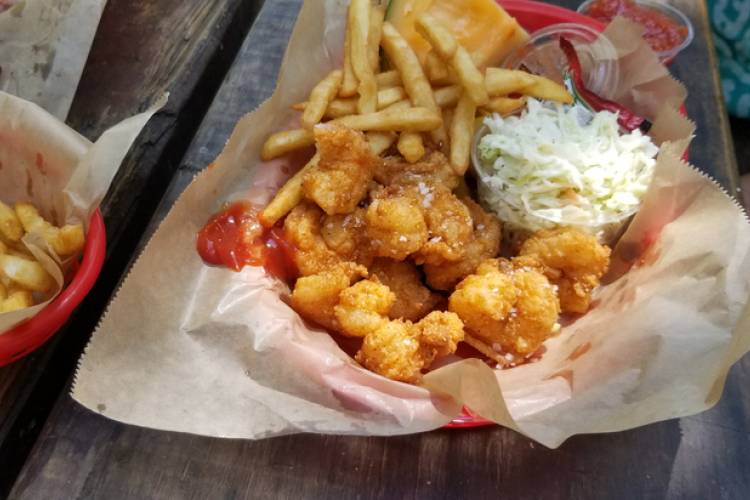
x: 436, y: 70
x: 380, y: 141
x: 285, y: 141
x: 461, y: 131
x: 544, y: 88
x: 501, y: 81
x: 444, y: 43
x: 349, y: 81
x: 65, y: 241
x: 411, y: 146
x: 377, y: 14
x: 401, y: 120
x: 441, y: 39
x: 338, y: 108
x: 412, y: 76
x: 10, y: 227
x: 391, y: 95
x: 19, y: 299
x: 448, y: 117
x: 504, y: 105
x: 288, y: 197
x: 359, y: 21
x: 3, y: 293
x: 322, y: 94
x: 447, y: 97
x: 388, y: 78
x: 27, y: 273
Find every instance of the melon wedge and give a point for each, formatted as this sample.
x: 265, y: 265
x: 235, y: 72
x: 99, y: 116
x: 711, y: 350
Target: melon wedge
x: 484, y: 28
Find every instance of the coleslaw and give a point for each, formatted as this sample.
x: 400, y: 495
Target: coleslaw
x: 562, y: 165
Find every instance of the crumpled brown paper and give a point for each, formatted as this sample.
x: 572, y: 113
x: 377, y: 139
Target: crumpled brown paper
x: 191, y: 348
x: 43, y: 49
x: 44, y: 161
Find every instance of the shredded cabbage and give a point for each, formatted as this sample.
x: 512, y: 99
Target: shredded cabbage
x: 562, y: 165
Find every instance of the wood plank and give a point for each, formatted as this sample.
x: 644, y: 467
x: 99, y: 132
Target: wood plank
x: 81, y: 454
x: 142, y: 48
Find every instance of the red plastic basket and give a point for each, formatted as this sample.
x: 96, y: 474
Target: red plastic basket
x: 34, y: 332
x: 532, y: 16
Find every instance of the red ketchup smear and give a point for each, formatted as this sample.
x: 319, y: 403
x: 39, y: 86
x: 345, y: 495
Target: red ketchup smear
x: 234, y: 238
x: 662, y: 33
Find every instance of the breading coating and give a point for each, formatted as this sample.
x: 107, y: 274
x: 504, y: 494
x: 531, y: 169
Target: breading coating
x: 484, y: 244
x: 413, y: 299
x: 396, y: 226
x: 434, y: 168
x: 314, y: 297
x: 363, y: 307
x: 341, y: 179
x: 573, y: 260
x: 400, y: 350
x: 302, y: 229
x: 509, y: 305
x: 345, y: 235
x: 449, y: 224
x: 439, y: 335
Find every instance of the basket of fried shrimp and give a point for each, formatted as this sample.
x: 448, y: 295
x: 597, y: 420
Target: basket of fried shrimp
x: 352, y: 273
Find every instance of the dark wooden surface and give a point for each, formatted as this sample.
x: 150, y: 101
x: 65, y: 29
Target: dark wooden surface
x: 142, y: 48
x: 82, y: 455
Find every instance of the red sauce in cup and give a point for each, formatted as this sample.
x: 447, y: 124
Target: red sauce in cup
x: 662, y: 33
x: 234, y: 238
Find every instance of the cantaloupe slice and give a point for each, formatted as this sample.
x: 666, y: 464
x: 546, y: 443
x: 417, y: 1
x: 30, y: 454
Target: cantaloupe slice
x: 484, y: 28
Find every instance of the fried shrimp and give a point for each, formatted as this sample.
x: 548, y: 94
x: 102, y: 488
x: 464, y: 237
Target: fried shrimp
x: 363, y: 307
x: 511, y: 307
x: 345, y: 235
x: 572, y: 260
x: 484, y: 244
x: 302, y: 228
x: 315, y: 296
x: 434, y: 168
x: 400, y: 349
x: 396, y: 225
x: 341, y: 178
x: 413, y: 299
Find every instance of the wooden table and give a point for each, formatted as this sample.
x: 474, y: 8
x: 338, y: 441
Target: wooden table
x: 50, y: 447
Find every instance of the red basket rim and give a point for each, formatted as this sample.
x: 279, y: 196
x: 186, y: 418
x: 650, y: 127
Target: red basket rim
x: 32, y: 333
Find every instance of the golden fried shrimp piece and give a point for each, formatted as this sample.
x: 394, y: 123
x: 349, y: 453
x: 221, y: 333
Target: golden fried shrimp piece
x: 393, y: 351
x: 396, y: 226
x: 413, y: 299
x: 302, y: 229
x: 433, y: 168
x: 485, y: 244
x: 514, y: 309
x: 439, y: 335
x: 341, y: 178
x: 449, y: 224
x: 400, y: 350
x: 572, y: 260
x: 315, y: 297
x: 363, y: 307
x: 345, y: 235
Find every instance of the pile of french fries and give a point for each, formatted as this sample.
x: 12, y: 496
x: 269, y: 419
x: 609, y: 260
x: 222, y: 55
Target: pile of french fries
x: 410, y: 103
x: 23, y: 280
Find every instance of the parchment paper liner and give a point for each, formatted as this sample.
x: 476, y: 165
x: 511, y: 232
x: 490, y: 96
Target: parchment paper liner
x: 44, y: 161
x: 191, y: 348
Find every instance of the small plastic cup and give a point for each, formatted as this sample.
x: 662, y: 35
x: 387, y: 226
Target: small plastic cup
x: 674, y: 14
x: 542, y: 55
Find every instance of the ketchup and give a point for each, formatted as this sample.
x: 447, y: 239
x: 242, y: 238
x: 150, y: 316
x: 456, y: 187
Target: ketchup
x: 234, y: 238
x: 662, y: 33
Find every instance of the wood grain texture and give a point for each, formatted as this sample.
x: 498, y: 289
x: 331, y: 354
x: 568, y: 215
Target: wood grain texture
x: 142, y: 48
x: 82, y: 455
